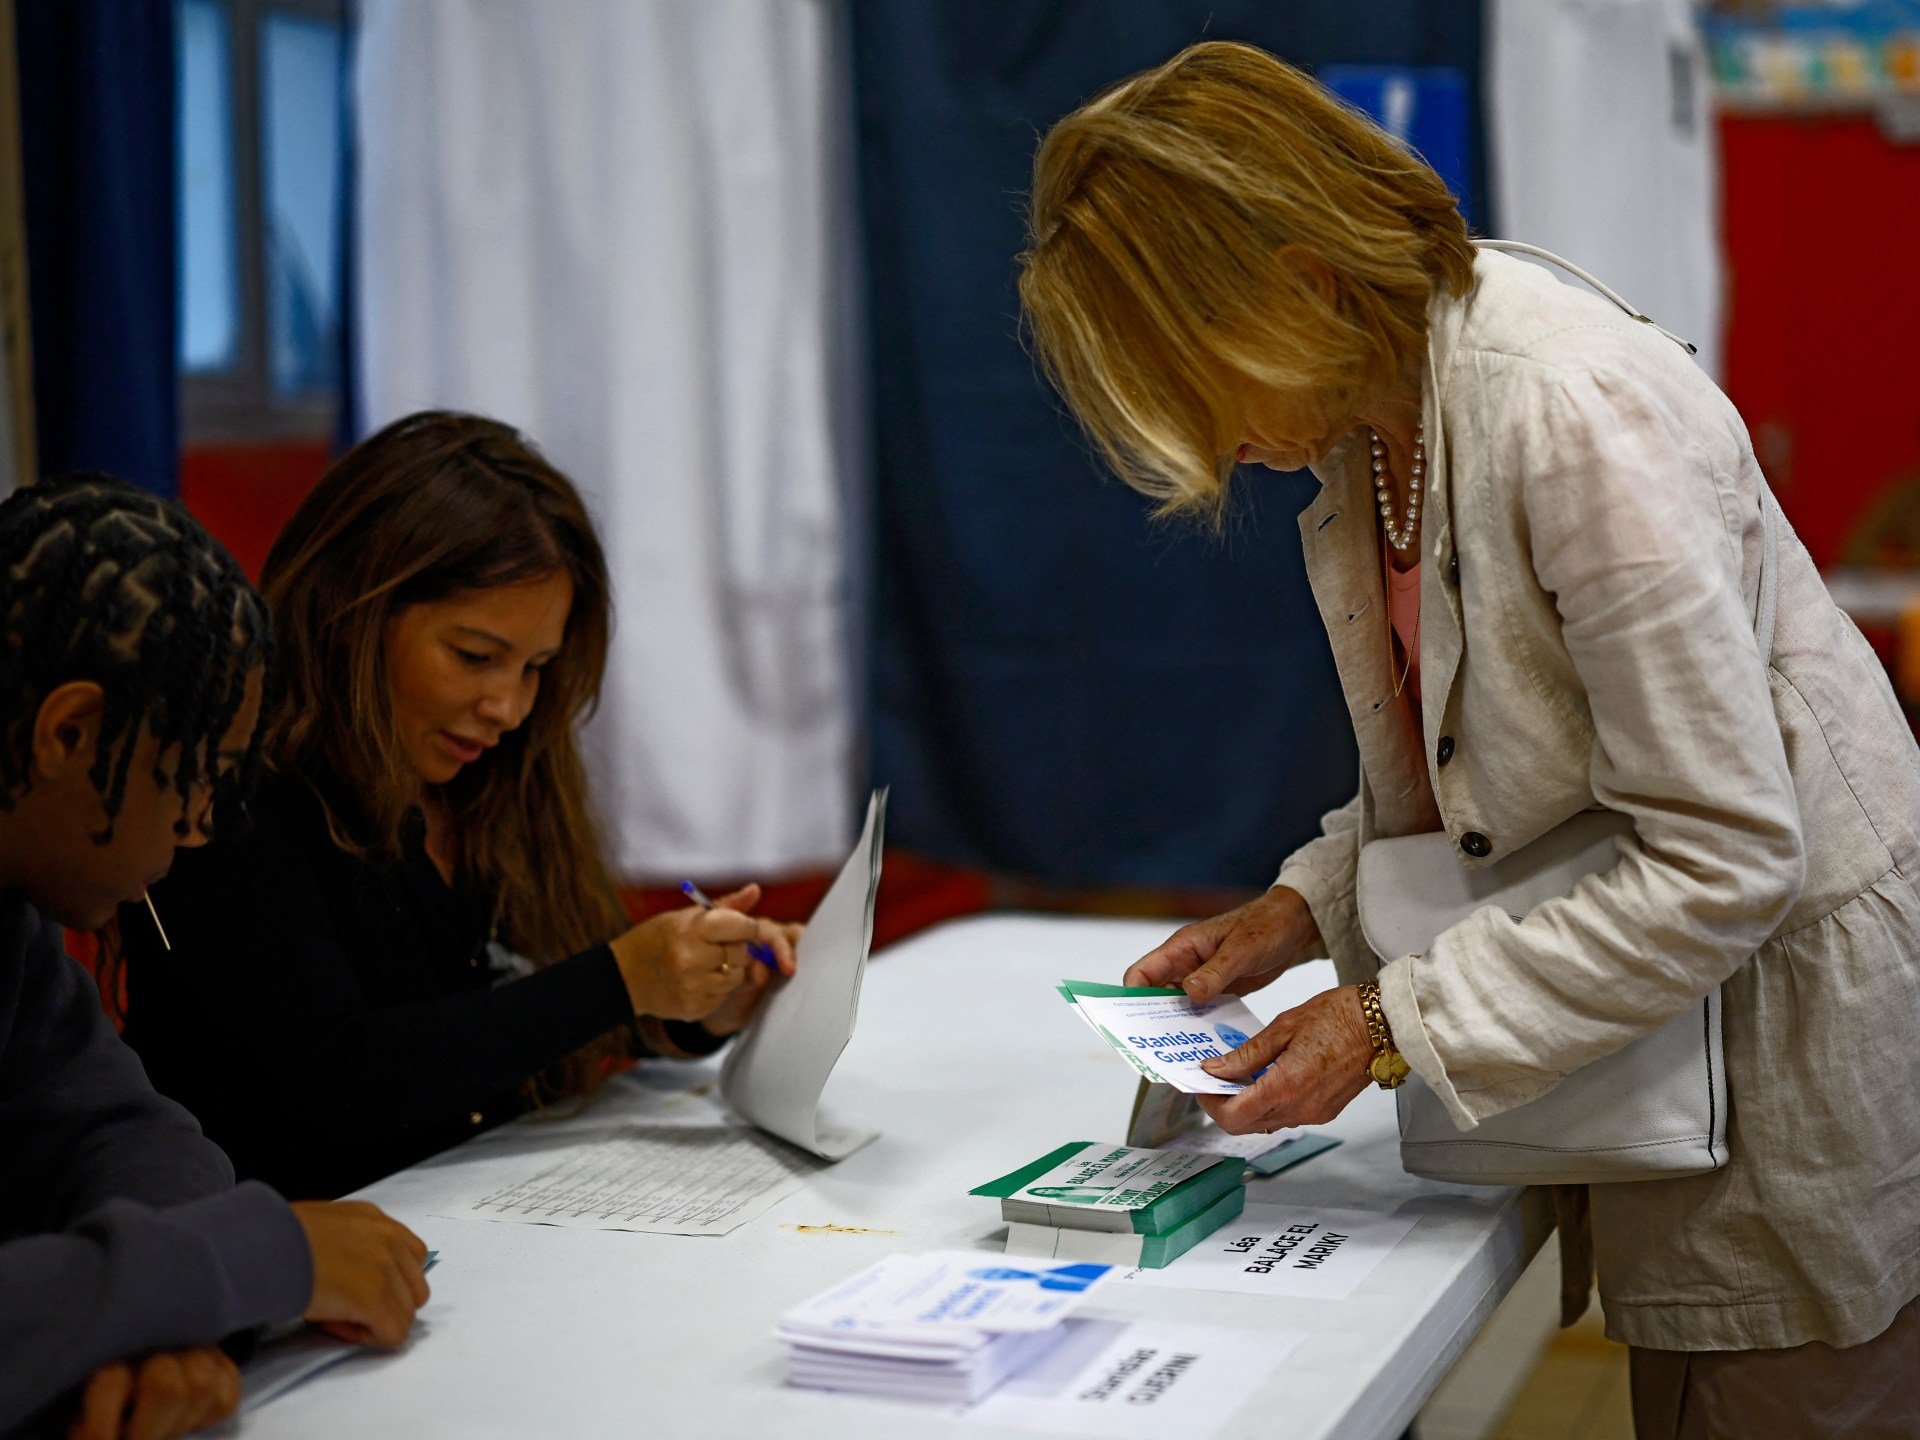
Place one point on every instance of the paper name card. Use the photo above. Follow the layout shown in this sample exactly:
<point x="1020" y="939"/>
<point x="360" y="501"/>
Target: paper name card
<point x="1308" y="1252"/>
<point x="1148" y="1380"/>
<point x="1162" y="1033"/>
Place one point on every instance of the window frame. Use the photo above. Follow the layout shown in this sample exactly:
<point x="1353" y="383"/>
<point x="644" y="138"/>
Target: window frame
<point x="240" y="402"/>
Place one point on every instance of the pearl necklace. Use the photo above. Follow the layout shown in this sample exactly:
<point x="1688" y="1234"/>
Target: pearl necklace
<point x="1406" y="535"/>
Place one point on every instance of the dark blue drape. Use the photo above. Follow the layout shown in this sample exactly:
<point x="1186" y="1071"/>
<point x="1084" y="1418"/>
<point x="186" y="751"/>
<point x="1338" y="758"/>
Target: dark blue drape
<point x="348" y="426"/>
<point x="97" y="128"/>
<point x="1062" y="689"/>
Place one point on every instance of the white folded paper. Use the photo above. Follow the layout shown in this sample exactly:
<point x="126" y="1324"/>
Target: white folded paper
<point x="776" y="1070"/>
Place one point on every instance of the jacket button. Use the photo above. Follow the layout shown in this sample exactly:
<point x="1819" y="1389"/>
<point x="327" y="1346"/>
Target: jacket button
<point x="1443" y="752"/>
<point x="475" y="1118"/>
<point x="1453" y="568"/>
<point x="1476" y="844"/>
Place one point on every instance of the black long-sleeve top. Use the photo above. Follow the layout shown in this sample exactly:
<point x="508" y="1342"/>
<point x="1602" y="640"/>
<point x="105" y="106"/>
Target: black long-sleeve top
<point x="332" y="1018"/>
<point x="121" y="1230"/>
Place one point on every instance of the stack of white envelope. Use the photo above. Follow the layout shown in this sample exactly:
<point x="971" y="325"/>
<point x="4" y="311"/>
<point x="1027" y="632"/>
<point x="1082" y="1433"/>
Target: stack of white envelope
<point x="946" y="1326"/>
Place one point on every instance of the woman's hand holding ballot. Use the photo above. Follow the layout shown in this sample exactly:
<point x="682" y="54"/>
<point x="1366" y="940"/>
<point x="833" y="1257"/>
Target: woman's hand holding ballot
<point x="1235" y="953"/>
<point x="692" y="963"/>
<point x="1314" y="1056"/>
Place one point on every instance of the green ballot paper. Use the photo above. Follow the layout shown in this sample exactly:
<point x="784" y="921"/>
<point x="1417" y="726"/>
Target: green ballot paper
<point x="1123" y="1189"/>
<point x="1058" y="1242"/>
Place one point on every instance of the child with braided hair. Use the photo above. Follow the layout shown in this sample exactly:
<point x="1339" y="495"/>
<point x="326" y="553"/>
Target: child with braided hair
<point x="133" y="657"/>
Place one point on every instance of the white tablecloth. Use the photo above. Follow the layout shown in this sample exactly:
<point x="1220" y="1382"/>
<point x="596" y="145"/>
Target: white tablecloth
<point x="969" y="1065"/>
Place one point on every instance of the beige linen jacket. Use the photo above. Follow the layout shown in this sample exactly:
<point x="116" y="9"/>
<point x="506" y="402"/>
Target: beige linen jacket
<point x="1590" y="554"/>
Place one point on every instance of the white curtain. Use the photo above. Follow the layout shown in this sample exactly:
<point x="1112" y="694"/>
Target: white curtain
<point x="1604" y="150"/>
<point x="617" y="225"/>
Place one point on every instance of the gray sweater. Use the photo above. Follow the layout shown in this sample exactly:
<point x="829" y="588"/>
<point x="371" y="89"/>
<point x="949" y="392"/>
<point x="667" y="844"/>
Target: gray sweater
<point x="121" y="1230"/>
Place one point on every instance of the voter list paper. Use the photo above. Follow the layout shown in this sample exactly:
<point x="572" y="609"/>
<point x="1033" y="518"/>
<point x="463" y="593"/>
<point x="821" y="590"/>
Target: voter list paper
<point x="1163" y="1034"/>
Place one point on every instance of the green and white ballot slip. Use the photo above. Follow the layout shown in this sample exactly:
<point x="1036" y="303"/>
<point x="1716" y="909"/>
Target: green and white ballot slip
<point x="1121" y="1189"/>
<point x="1163" y="1034"/>
<point x="1058" y="1242"/>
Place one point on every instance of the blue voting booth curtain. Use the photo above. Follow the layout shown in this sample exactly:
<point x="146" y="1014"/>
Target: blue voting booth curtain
<point x="96" y="134"/>
<point x="1061" y="688"/>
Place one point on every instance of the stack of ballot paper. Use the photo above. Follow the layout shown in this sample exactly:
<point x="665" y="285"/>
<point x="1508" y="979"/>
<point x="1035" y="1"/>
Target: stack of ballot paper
<point x="1117" y="1203"/>
<point x="946" y="1326"/>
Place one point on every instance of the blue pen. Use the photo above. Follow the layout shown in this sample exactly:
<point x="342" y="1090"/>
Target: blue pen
<point x="754" y="948"/>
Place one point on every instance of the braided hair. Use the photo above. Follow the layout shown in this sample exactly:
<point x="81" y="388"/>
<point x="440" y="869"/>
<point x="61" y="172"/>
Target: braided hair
<point x="102" y="581"/>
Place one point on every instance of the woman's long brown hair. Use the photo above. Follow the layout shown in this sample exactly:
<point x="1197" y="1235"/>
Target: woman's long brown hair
<point x="435" y="505"/>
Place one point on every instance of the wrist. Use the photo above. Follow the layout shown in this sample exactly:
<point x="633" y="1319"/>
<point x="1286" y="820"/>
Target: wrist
<point x="677" y="1039"/>
<point x="1302" y="930"/>
<point x="637" y="956"/>
<point x="1387" y="1067"/>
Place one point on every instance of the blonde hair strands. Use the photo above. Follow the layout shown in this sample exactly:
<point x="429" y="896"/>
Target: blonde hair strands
<point x="1161" y="274"/>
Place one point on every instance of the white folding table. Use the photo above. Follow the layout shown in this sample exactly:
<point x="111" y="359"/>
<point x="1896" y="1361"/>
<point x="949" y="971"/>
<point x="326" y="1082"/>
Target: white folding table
<point x="969" y="1065"/>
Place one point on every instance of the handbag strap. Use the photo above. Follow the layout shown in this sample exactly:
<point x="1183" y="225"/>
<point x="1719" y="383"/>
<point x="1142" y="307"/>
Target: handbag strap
<point x="1515" y="247"/>
<point x="1766" y="609"/>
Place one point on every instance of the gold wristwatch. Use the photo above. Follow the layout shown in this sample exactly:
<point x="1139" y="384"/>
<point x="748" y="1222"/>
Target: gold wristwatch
<point x="1389" y="1068"/>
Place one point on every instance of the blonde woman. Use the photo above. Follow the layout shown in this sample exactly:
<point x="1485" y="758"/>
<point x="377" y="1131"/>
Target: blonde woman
<point x="1548" y="609"/>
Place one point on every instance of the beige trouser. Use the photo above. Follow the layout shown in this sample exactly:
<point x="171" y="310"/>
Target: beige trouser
<point x="1810" y="1392"/>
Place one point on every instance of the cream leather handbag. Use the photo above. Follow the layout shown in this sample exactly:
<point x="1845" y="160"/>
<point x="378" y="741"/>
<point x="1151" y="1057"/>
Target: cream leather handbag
<point x="1656" y="1108"/>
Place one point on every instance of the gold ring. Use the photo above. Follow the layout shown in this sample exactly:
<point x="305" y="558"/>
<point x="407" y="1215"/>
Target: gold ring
<point x="726" y="967"/>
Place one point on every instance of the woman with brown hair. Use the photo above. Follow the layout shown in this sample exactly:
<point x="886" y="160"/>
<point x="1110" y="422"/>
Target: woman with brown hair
<point x="412" y="934"/>
<point x="1546" y="560"/>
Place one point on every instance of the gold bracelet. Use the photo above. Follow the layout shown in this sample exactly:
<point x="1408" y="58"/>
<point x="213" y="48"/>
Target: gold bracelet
<point x="1389" y="1068"/>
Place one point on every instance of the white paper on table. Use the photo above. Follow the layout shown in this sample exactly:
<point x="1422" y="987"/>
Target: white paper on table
<point x="291" y="1353"/>
<point x="777" y="1068"/>
<point x="1165" y="1037"/>
<point x="1148" y="1380"/>
<point x="282" y="1364"/>
<point x="667" y="1179"/>
<point x="1306" y="1251"/>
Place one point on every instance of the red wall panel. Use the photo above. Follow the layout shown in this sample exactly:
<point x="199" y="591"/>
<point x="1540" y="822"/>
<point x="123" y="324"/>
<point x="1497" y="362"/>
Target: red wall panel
<point x="1820" y="219"/>
<point x="243" y="494"/>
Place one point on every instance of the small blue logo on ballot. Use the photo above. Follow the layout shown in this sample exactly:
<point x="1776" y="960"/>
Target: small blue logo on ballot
<point x="1054" y="1277"/>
